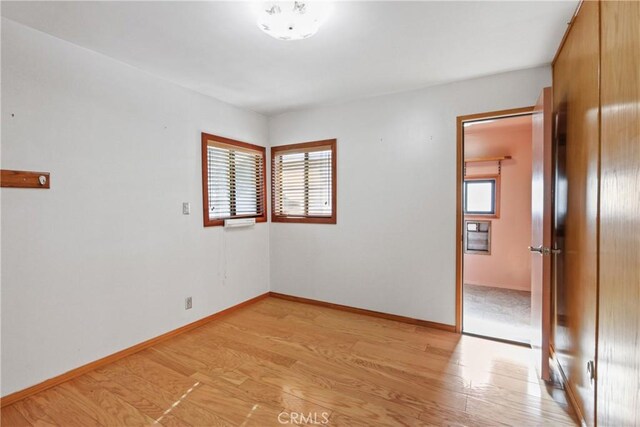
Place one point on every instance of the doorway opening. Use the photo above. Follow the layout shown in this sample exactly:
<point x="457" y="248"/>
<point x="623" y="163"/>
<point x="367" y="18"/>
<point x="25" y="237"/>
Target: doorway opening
<point x="494" y="220"/>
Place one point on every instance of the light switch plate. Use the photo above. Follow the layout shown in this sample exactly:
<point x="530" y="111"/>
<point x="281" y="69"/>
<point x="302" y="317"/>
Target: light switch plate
<point x="186" y="208"/>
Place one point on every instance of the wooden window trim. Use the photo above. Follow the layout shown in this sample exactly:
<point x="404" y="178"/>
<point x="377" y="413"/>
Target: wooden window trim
<point x="497" y="196"/>
<point x="331" y="143"/>
<point x="205" y="178"/>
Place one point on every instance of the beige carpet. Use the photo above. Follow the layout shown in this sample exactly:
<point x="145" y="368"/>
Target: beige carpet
<point x="496" y="312"/>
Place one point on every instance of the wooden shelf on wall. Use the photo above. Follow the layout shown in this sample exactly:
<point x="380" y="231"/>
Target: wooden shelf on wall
<point x="486" y="159"/>
<point x="497" y="159"/>
<point x="24" y="179"/>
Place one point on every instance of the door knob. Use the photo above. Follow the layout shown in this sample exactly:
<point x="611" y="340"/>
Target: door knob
<point x="543" y="250"/>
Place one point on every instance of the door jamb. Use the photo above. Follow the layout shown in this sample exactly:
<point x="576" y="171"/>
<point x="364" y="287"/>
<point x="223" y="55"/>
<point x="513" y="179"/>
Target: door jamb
<point x="461" y="120"/>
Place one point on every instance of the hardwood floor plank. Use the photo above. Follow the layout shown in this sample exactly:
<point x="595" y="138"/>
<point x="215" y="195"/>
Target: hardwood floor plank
<point x="326" y="392"/>
<point x="169" y="360"/>
<point x="218" y="400"/>
<point x="199" y="358"/>
<point x="340" y="420"/>
<point x="10" y="416"/>
<point x="414" y="396"/>
<point x="213" y="341"/>
<point x="311" y="352"/>
<point x="278" y="308"/>
<point x="291" y="328"/>
<point x="32" y="413"/>
<point x="489" y="392"/>
<point x="473" y="366"/>
<point x="234" y="408"/>
<point x="396" y="402"/>
<point x="108" y="409"/>
<point x="365" y="325"/>
<point x="59" y="407"/>
<point x="536" y="389"/>
<point x="157" y="374"/>
<point x="176" y="405"/>
<point x="509" y="413"/>
<point x="450" y="418"/>
<point x="333" y="359"/>
<point x="283" y="358"/>
<point x="137" y="400"/>
<point x="267" y="394"/>
<point x="524" y="398"/>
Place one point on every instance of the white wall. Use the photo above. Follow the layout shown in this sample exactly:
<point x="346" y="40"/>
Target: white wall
<point x="393" y="249"/>
<point x="104" y="259"/>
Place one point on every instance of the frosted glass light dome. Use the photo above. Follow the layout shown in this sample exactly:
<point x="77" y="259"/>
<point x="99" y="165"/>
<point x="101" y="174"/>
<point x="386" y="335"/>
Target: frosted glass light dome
<point x="292" y="20"/>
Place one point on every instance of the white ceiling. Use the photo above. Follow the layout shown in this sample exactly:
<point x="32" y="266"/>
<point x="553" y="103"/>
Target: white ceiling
<point x="364" y="49"/>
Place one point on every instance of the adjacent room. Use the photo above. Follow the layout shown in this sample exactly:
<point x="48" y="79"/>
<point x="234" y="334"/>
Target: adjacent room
<point x="497" y="227"/>
<point x="335" y="213"/>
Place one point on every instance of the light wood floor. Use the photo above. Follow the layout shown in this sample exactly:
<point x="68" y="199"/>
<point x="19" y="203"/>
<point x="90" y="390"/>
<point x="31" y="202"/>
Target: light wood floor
<point x="278" y="357"/>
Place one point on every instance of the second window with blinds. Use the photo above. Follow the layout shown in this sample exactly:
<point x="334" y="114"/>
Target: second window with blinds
<point x="303" y="180"/>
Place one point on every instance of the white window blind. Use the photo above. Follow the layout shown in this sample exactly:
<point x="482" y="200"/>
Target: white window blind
<point x="302" y="182"/>
<point x="235" y="181"/>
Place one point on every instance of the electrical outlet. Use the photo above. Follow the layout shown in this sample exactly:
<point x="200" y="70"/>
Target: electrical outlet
<point x="186" y="208"/>
<point x="188" y="303"/>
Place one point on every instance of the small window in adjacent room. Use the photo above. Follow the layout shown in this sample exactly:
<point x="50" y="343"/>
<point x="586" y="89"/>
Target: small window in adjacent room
<point x="233" y="183"/>
<point x="303" y="179"/>
<point x="481" y="196"/>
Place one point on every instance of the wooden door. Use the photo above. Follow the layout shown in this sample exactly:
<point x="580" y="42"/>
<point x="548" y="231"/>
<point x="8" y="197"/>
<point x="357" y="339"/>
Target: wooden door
<point x="575" y="269"/>
<point x="541" y="232"/>
<point x="619" y="315"/>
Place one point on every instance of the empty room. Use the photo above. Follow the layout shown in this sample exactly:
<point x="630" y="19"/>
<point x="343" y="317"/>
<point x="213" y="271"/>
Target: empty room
<point x="320" y="213"/>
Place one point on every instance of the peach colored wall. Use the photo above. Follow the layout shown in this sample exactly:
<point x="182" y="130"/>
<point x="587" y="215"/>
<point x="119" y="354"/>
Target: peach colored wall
<point x="509" y="265"/>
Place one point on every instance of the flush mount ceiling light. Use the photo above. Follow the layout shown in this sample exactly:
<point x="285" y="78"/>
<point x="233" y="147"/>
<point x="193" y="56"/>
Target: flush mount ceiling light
<point x="292" y="20"/>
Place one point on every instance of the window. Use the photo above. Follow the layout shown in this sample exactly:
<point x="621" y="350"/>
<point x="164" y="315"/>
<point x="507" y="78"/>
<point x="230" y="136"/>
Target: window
<point x="481" y="196"/>
<point x="303" y="179"/>
<point x="232" y="180"/>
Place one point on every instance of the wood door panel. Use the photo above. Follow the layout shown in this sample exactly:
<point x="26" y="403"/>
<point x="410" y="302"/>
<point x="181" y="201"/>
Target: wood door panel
<point x="541" y="231"/>
<point x="576" y="108"/>
<point x="619" y="318"/>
